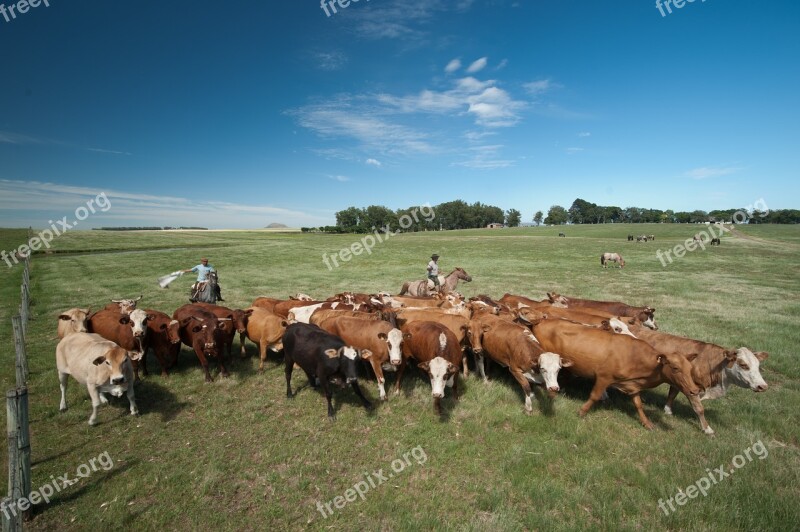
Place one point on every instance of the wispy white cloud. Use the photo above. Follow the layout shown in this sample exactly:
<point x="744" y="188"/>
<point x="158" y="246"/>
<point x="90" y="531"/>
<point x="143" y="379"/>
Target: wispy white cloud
<point x="330" y="60"/>
<point x="477" y="65"/>
<point x="339" y="178"/>
<point x="540" y="87"/>
<point x="707" y="172"/>
<point x="502" y="64"/>
<point x="112" y="152"/>
<point x="32" y="203"/>
<point x="584" y="134"/>
<point x="485" y="158"/>
<point x="374" y="162"/>
<point x="573" y="151"/>
<point x="9" y="137"/>
<point x="452" y="66"/>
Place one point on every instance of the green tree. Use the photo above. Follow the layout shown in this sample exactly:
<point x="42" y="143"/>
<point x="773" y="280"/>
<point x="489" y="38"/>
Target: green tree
<point x="513" y="217"/>
<point x="537" y="218"/>
<point x="557" y="215"/>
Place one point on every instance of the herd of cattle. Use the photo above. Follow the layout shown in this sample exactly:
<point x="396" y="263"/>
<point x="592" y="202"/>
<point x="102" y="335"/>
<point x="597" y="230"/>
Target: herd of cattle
<point x="614" y="344"/>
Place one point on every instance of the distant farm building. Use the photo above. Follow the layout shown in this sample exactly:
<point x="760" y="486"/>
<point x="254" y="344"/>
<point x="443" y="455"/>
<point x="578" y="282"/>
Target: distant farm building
<point x="495" y="226"/>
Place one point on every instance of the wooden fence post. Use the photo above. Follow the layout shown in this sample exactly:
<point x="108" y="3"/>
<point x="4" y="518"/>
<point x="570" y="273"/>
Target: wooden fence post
<point x="19" y="347"/>
<point x="23" y="308"/>
<point x="19" y="448"/>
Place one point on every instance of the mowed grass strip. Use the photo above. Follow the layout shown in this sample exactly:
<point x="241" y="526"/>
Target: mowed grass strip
<point x="237" y="454"/>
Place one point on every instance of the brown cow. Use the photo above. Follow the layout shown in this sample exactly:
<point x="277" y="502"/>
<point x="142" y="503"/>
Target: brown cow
<point x="457" y="324"/>
<point x="237" y="323"/>
<point x="515" y="302"/>
<point x="618" y="325"/>
<point x="163" y="337"/>
<point x="714" y="368"/>
<point x="323" y="314"/>
<point x="266" y="303"/>
<point x="71" y="321"/>
<point x="265" y="329"/>
<point x="282" y="308"/>
<point x="436" y="350"/>
<point x="617" y="360"/>
<point x="201" y="330"/>
<point x="644" y="314"/>
<point x="127" y="331"/>
<point x="514" y="347"/>
<point x="379" y="342"/>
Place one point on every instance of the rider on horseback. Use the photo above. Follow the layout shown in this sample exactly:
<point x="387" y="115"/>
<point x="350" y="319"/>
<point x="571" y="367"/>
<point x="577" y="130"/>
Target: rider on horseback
<point x="433" y="272"/>
<point x="203" y="269"/>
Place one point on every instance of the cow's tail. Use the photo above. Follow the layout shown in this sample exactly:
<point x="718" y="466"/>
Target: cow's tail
<point x="602" y="261"/>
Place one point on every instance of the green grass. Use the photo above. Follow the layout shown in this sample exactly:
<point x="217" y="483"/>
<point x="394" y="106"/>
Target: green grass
<point x="236" y="454"/>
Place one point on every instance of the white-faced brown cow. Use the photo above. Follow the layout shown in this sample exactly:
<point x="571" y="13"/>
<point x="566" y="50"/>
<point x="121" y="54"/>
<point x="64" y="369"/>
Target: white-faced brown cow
<point x="617" y="360"/>
<point x="379" y="342"/>
<point x="99" y="364"/>
<point x="437" y="352"/>
<point x="514" y="347"/>
<point x="715" y="367"/>
<point x="129" y="331"/>
<point x="72" y="321"/>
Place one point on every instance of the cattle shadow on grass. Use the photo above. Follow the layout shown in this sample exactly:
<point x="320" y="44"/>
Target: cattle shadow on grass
<point x="497" y="373"/>
<point x="416" y="380"/>
<point x="154" y="397"/>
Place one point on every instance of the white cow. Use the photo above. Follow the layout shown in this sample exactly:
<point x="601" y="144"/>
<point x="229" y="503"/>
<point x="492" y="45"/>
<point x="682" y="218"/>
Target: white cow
<point x="100" y="364"/>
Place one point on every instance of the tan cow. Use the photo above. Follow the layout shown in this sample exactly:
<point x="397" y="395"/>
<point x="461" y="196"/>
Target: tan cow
<point x="617" y="360"/>
<point x="72" y="321"/>
<point x="100" y="364"/>
<point x="265" y="329"/>
<point x="379" y="342"/>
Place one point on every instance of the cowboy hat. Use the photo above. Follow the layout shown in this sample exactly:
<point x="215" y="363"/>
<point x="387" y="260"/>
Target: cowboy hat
<point x="434" y="256"/>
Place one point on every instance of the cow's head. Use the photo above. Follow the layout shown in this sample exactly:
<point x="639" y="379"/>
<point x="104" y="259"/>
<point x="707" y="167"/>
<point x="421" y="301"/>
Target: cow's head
<point x="744" y="368"/>
<point x="618" y="326"/>
<point x="679" y="372"/>
<point x="441" y="372"/>
<point x="204" y="331"/>
<point x="110" y="368"/>
<point x="648" y="318"/>
<point x="348" y="362"/>
<point x="138" y="322"/>
<point x="126" y="306"/>
<point x="173" y="331"/>
<point x="240" y="318"/>
<point x="548" y="366"/>
<point x="394" y="340"/>
<point x="475" y="333"/>
<point x="529" y="316"/>
<point x="72" y="320"/>
<point x="557" y="300"/>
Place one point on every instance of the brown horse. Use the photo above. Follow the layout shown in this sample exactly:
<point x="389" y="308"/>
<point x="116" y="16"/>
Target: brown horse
<point x="426" y="287"/>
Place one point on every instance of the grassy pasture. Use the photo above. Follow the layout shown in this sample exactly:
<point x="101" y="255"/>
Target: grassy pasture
<point x="237" y="454"/>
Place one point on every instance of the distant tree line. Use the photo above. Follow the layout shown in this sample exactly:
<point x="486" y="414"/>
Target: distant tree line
<point x="584" y="212"/>
<point x="456" y="214"/>
<point x="155" y="228"/>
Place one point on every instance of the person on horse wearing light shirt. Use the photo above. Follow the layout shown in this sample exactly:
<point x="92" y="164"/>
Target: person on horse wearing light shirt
<point x="433" y="272"/>
<point x="203" y="269"/>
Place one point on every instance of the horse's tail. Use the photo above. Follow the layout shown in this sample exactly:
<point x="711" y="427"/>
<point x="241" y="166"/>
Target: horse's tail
<point x="603" y="259"/>
<point x="404" y="290"/>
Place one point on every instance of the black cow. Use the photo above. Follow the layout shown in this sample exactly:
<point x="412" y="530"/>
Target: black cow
<point x="715" y="241"/>
<point x="562" y="234"/>
<point x="324" y="357"/>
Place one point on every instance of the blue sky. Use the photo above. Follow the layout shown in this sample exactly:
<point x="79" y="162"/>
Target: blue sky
<point x="237" y="114"/>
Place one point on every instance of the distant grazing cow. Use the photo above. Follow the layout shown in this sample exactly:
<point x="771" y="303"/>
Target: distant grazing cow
<point x="651" y="237"/>
<point x="607" y="257"/>
<point x="201" y="330"/>
<point x="630" y="238"/>
<point x="322" y="356"/>
<point x="562" y="234"/>
<point x="514" y="347"/>
<point x="72" y="321"/>
<point x="100" y="364"/>
<point x="266" y="330"/>
<point x="715" y="241"/>
<point x="129" y="331"/>
<point x="437" y="352"/>
<point x="378" y="341"/>
<point x="617" y="360"/>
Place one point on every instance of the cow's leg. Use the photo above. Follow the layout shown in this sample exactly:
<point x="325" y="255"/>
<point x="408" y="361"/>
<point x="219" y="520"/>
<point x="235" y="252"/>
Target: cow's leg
<point x="637" y="402"/>
<point x="95" y="396"/>
<point x="673" y="393"/>
<point x="357" y="389"/>
<point x="465" y="367"/>
<point x="132" y="401"/>
<point x="479" y="365"/>
<point x="262" y="353"/>
<point x="62" y="381"/>
<point x="289" y="366"/>
<point x="595" y="395"/>
<point x="378" y="370"/>
<point x="328" y="396"/>
<point x="700" y="411"/>
<point x="400" y="370"/>
<point x="243" y="352"/>
<point x="437" y="405"/>
<point x="221" y="363"/>
<point x="404" y="289"/>
<point x="526" y="388"/>
<point x="204" y="363"/>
